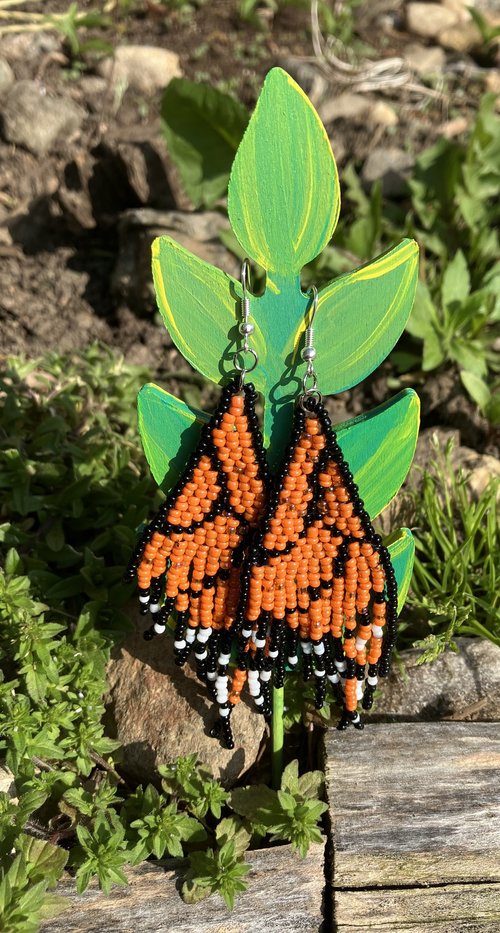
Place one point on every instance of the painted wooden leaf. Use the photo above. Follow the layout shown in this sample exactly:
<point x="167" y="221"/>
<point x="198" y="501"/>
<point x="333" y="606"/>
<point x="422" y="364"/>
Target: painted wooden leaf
<point x="284" y="195"/>
<point x="361" y="315"/>
<point x="169" y="432"/>
<point x="199" y="306"/>
<point x="402" y="550"/>
<point x="379" y="448"/>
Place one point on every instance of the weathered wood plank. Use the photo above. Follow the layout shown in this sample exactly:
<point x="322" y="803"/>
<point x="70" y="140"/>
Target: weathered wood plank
<point x="474" y="908"/>
<point x="284" y="893"/>
<point x="414" y="803"/>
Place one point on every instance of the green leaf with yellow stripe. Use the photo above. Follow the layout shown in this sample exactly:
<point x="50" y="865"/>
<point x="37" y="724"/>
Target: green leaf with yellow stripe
<point x="284" y="195"/>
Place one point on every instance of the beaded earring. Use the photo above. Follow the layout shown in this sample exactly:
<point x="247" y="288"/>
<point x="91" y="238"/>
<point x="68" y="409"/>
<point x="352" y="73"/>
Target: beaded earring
<point x="318" y="582"/>
<point x="187" y="560"/>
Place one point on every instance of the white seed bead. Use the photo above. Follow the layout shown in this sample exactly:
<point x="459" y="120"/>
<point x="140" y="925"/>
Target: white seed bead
<point x="254" y="689"/>
<point x="222" y="697"/>
<point x="319" y="673"/>
<point x="292" y="660"/>
<point x="340" y="665"/>
<point x="154" y="607"/>
<point x="259" y="701"/>
<point x="319" y="649"/>
<point x="253" y="676"/>
<point x="333" y="678"/>
<point x="211" y="675"/>
<point x="190" y="635"/>
<point x="224" y="712"/>
<point x="201" y="655"/>
<point x="372" y="681"/>
<point x="144" y="599"/>
<point x="159" y="629"/>
<point x="179" y="645"/>
<point x="273" y="654"/>
<point x="224" y="659"/>
<point x="265" y="676"/>
<point x="204" y="634"/>
<point x="306" y="647"/>
<point x="356" y="718"/>
<point x="221" y="681"/>
<point x="360" y="644"/>
<point x="359" y="690"/>
<point x="260" y="642"/>
<point x="377" y="631"/>
<point x="246" y="632"/>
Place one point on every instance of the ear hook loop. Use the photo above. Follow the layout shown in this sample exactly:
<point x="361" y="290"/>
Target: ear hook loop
<point x="308" y="354"/>
<point x="245" y="328"/>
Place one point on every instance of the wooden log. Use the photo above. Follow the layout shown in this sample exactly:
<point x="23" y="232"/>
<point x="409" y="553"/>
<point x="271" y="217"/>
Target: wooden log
<point x="285" y="893"/>
<point x="474" y="908"/>
<point x="414" y="804"/>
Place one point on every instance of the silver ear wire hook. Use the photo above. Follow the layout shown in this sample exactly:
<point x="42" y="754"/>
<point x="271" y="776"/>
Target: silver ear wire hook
<point x="246" y="328"/>
<point x="308" y="354"/>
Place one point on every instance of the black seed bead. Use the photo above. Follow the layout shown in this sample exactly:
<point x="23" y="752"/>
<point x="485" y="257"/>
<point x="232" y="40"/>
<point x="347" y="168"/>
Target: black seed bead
<point x="360" y="671"/>
<point x="367" y="701"/>
<point x="320" y="693"/>
<point x="149" y="634"/>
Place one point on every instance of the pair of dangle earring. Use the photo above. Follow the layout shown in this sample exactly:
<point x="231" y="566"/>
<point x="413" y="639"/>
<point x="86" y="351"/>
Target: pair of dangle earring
<point x="294" y="577"/>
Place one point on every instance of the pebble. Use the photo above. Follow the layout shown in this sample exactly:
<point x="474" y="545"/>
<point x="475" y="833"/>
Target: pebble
<point x="428" y="19"/>
<point x="6" y="76"/>
<point x="146" y="69"/>
<point x="37" y="121"/>
<point x="383" y="114"/>
<point x="425" y="60"/>
<point x="392" y="166"/>
<point x="347" y="106"/>
<point x="460" y="38"/>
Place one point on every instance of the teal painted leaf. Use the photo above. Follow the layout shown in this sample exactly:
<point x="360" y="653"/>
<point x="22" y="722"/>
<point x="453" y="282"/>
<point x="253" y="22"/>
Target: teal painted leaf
<point x="402" y="550"/>
<point x="203" y="128"/>
<point x="379" y="448"/>
<point x="361" y="315"/>
<point x="169" y="432"/>
<point x="284" y="195"/>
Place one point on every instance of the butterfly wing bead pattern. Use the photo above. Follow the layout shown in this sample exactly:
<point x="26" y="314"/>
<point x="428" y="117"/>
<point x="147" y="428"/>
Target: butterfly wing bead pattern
<point x="318" y="582"/>
<point x="188" y="558"/>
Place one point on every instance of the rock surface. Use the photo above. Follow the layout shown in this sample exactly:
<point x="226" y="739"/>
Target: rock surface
<point x="425" y="60"/>
<point x="346" y="106"/>
<point x="159" y="711"/>
<point x="460" y="38"/>
<point x="144" y="68"/>
<point x="392" y="166"/>
<point x="463" y="685"/>
<point x="199" y="233"/>
<point x="36" y="121"/>
<point x="429" y="19"/>
<point x="6" y="76"/>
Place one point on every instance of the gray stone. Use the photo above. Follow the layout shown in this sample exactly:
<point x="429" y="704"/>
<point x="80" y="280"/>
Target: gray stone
<point x="428" y="19"/>
<point x="346" y="106"/>
<point x="144" y="68"/>
<point x="6" y="76"/>
<point x="463" y="685"/>
<point x="392" y="166"/>
<point x="425" y="60"/>
<point x="36" y="121"/>
<point x="382" y="114"/>
<point x="160" y="711"/>
<point x="199" y="233"/>
<point x="461" y="38"/>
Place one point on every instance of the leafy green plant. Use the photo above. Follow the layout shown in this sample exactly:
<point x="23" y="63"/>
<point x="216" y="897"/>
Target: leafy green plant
<point x="157" y="827"/>
<point x="455" y="586"/>
<point x="291" y="813"/>
<point x="25" y="896"/>
<point x="203" y="128"/>
<point x="460" y="329"/>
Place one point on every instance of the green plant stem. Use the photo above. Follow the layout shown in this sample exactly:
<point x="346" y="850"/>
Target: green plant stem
<point x="277" y="734"/>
